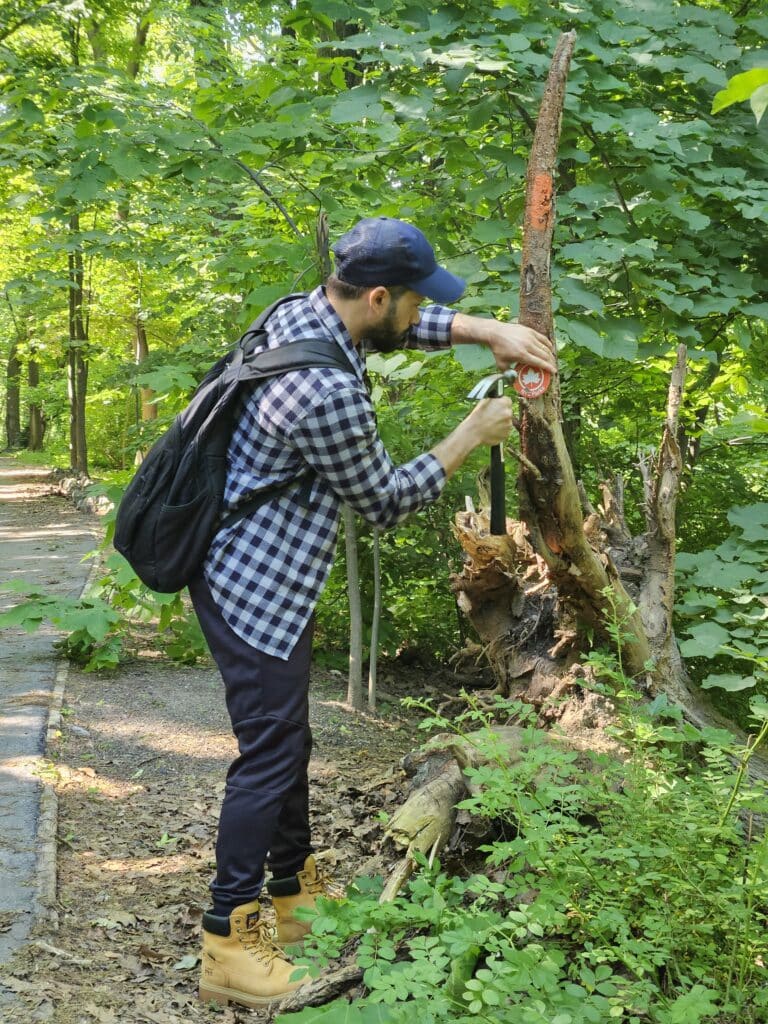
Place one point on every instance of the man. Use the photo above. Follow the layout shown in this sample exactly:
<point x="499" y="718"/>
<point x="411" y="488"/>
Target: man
<point x="264" y="574"/>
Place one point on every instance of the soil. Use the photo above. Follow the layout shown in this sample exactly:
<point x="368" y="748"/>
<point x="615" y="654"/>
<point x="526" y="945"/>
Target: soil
<point x="139" y="770"/>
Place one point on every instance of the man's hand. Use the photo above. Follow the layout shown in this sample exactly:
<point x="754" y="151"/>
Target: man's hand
<point x="490" y="422"/>
<point x="510" y="343"/>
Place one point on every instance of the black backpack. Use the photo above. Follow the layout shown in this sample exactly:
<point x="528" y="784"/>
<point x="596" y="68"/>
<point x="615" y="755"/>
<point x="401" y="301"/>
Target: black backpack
<point x="171" y="509"/>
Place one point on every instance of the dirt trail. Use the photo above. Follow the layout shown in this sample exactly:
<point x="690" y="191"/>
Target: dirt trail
<point x="139" y="772"/>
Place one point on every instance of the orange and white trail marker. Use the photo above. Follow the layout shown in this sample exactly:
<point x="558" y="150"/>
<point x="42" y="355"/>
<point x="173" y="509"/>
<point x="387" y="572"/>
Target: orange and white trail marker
<point x="531" y="382"/>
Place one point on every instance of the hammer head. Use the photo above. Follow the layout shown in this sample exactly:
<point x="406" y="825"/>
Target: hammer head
<point x="491" y="385"/>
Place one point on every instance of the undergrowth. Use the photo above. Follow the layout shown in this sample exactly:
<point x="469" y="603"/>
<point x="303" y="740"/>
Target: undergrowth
<point x="628" y="888"/>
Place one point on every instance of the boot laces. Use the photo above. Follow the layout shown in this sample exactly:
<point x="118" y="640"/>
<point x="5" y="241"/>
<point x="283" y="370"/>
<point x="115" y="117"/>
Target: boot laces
<point x="257" y="940"/>
<point x="323" y="885"/>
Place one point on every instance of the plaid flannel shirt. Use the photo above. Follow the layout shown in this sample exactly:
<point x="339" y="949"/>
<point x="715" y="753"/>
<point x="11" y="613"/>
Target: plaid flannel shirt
<point x="266" y="572"/>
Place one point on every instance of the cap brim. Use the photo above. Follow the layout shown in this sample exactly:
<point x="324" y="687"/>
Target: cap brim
<point x="440" y="286"/>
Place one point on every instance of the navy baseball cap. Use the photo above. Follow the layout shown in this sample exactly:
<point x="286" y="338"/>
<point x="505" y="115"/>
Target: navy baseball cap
<point x="385" y="251"/>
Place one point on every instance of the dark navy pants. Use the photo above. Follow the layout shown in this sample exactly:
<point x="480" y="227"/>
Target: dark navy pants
<point x="265" y="813"/>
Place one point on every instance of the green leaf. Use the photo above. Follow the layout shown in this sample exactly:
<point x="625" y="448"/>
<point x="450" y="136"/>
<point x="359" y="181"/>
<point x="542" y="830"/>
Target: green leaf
<point x="128" y="167"/>
<point x="618" y="342"/>
<point x="740" y="88"/>
<point x="574" y="293"/>
<point x="514" y="42"/>
<point x="27" y="615"/>
<point x="356" y="105"/>
<point x="759" y="101"/>
<point x="705" y="641"/>
<point x="582" y="334"/>
<point x="30" y="112"/>
<point x="752" y="520"/>
<point x="491" y="231"/>
<point x="473" y="357"/>
<point x="339" y="1012"/>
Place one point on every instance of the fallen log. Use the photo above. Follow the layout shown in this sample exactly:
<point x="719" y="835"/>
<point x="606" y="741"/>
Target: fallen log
<point x="321" y="990"/>
<point x="425" y="822"/>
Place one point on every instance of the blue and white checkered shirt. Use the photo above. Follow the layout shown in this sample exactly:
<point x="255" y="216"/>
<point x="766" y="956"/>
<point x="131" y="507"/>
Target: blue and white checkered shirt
<point x="266" y="572"/>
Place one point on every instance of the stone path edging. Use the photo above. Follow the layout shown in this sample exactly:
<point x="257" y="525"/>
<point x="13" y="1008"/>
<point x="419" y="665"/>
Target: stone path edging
<point x="48" y="820"/>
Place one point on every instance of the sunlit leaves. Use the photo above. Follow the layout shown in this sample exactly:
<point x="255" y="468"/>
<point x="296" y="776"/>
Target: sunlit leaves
<point x="749" y="85"/>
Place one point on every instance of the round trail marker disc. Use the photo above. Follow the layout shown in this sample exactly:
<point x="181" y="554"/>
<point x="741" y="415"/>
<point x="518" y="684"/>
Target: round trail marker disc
<point x="531" y="381"/>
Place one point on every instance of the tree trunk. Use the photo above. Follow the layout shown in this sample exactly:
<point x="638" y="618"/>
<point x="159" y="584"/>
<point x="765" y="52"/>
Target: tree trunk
<point x="373" y="653"/>
<point x="549" y="500"/>
<point x="77" y="364"/>
<point x="141" y="352"/>
<point x="662" y="484"/>
<point x="552" y="564"/>
<point x="355" y="679"/>
<point x="533" y="592"/>
<point x="209" y="41"/>
<point x="355" y="676"/>
<point x="37" y="421"/>
<point x="13" y="398"/>
<point x="13" y="433"/>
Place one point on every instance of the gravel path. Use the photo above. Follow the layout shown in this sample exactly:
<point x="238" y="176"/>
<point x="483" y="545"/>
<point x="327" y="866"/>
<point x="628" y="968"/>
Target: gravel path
<point x="42" y="542"/>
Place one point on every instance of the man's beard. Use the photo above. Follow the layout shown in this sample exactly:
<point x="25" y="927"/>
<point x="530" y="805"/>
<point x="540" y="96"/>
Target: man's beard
<point x="384" y="337"/>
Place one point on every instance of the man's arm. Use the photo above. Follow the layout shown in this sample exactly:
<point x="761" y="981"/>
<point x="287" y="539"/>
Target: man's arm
<point x="338" y="439"/>
<point x="441" y="327"/>
<point x="510" y="343"/>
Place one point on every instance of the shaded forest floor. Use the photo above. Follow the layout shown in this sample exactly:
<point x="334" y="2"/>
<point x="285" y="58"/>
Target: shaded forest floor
<point x="139" y="771"/>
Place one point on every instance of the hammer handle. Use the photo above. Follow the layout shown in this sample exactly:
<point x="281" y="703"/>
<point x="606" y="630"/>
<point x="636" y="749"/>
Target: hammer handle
<point x="498" y="497"/>
<point x="498" y="501"/>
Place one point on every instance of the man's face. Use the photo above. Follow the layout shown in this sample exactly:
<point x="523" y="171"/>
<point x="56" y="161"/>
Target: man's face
<point x="392" y="330"/>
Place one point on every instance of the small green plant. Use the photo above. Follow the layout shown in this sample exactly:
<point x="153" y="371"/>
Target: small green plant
<point x="87" y="621"/>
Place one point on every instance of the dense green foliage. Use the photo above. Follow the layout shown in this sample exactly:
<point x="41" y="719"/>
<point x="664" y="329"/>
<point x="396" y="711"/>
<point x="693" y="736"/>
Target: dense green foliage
<point x="177" y="159"/>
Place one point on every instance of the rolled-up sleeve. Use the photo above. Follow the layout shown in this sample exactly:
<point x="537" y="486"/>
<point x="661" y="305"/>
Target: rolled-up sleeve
<point x="338" y="439"/>
<point x="433" y="331"/>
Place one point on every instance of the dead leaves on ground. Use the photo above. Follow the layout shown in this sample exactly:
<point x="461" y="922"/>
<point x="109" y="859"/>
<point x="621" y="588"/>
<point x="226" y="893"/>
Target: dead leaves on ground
<point x="136" y="844"/>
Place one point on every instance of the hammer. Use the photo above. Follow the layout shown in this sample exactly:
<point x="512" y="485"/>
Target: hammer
<point x="493" y="387"/>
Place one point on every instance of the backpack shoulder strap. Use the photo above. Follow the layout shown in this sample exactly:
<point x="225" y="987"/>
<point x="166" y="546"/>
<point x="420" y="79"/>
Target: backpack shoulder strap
<point x="295" y="355"/>
<point x="247" y="341"/>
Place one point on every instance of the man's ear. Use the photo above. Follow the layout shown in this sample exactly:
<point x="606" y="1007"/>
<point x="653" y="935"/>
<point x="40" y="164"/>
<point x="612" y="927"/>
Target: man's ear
<point x="378" y="299"/>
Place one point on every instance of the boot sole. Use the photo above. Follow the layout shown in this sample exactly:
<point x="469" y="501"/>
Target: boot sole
<point x="224" y="996"/>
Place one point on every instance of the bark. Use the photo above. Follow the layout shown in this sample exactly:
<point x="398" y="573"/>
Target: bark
<point x="549" y="500"/>
<point x="322" y="990"/>
<point x="147" y="405"/>
<point x="148" y="409"/>
<point x="77" y="363"/>
<point x="13" y="433"/>
<point x="13" y="398"/>
<point x="355" y="678"/>
<point x="662" y="485"/>
<point x="568" y="569"/>
<point x="37" y="419"/>
<point x="425" y="822"/>
<point x="209" y="41"/>
<point x="373" y="654"/>
<point x="138" y="46"/>
<point x="141" y="352"/>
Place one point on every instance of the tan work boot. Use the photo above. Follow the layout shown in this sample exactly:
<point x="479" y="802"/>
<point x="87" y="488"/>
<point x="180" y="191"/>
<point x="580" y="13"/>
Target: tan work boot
<point x="300" y="890"/>
<point x="241" y="963"/>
